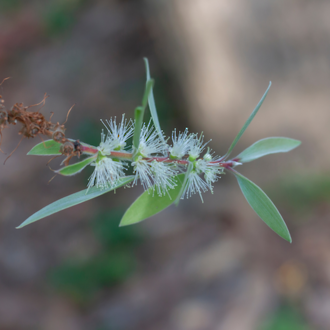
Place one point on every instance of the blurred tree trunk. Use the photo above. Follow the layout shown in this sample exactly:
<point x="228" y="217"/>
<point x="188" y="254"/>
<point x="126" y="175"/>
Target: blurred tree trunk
<point x="225" y="53"/>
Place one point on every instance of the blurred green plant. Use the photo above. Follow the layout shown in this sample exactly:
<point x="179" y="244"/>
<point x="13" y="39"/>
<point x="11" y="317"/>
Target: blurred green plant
<point x="106" y="230"/>
<point x="82" y="280"/>
<point x="287" y="317"/>
<point x="114" y="262"/>
<point x="60" y="16"/>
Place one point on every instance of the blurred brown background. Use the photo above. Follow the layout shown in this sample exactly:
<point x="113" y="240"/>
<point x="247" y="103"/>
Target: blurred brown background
<point x="199" y="266"/>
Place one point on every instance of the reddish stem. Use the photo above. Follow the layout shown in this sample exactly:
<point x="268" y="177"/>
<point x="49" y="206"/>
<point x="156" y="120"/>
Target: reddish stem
<point x="89" y="150"/>
<point x="127" y="155"/>
<point x="168" y="160"/>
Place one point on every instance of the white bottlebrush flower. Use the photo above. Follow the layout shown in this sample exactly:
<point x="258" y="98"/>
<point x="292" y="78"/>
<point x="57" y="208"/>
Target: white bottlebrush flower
<point x="197" y="146"/>
<point x="150" y="142"/>
<point x="106" y="173"/>
<point x="117" y="134"/>
<point x="156" y="175"/>
<point x="181" y="144"/>
<point x="212" y="174"/>
<point x="211" y="170"/>
<point x="143" y="172"/>
<point x="104" y="148"/>
<point x="195" y="184"/>
<point x="163" y="175"/>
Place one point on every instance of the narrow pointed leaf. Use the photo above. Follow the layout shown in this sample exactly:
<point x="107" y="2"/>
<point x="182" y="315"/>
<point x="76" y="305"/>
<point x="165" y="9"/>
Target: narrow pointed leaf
<point x="51" y="148"/>
<point x="139" y="114"/>
<point x="152" y="104"/>
<point x="46" y="148"/>
<point x="184" y="183"/>
<point x="76" y="168"/>
<point x="74" y="199"/>
<point x="147" y="92"/>
<point x="147" y="204"/>
<point x="267" y="146"/>
<point x="247" y="123"/>
<point x="263" y="206"/>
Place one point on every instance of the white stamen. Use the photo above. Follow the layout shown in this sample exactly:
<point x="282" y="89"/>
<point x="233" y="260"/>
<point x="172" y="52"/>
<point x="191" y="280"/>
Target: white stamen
<point x="106" y="173"/>
<point x="181" y="143"/>
<point x="163" y="177"/>
<point x="143" y="172"/>
<point x="197" y="146"/>
<point x="195" y="184"/>
<point x="150" y="142"/>
<point x="117" y="135"/>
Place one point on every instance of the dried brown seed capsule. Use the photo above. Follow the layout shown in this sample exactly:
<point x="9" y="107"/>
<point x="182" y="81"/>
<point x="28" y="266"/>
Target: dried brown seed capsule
<point x="58" y="135"/>
<point x="67" y="148"/>
<point x="34" y="130"/>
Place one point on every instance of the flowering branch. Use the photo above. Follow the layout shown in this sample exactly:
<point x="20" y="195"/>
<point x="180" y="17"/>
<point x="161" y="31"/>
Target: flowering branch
<point x="168" y="171"/>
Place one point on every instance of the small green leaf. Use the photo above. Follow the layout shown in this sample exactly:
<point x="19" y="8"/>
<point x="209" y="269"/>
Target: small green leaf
<point x="152" y="105"/>
<point x="74" y="199"/>
<point x="149" y="204"/>
<point x="183" y="186"/>
<point x="247" y="123"/>
<point x="139" y="114"/>
<point x="51" y="148"/>
<point x="77" y="167"/>
<point x="271" y="145"/>
<point x="46" y="148"/>
<point x="263" y="206"/>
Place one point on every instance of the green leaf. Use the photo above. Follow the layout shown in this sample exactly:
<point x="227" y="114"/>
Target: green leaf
<point x="74" y="199"/>
<point x="183" y="186"/>
<point x="147" y="92"/>
<point x="263" y="206"/>
<point x="247" y="123"/>
<point x="149" y="204"/>
<point x="152" y="105"/>
<point x="271" y="145"/>
<point x="46" y="148"/>
<point x="51" y="148"/>
<point x="77" y="167"/>
<point x="139" y="114"/>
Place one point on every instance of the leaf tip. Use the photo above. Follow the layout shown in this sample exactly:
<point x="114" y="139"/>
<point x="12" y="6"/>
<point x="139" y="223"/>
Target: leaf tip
<point x="123" y="223"/>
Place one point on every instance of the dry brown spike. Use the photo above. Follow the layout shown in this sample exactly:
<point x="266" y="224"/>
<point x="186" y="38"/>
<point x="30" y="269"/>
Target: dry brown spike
<point x="34" y="124"/>
<point x="67" y="115"/>
<point x="43" y="102"/>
